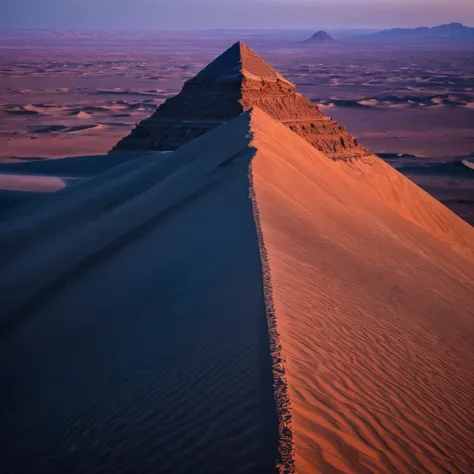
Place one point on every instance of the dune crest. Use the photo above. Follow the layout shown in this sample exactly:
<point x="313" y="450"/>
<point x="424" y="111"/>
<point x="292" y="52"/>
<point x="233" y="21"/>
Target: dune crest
<point x="236" y="81"/>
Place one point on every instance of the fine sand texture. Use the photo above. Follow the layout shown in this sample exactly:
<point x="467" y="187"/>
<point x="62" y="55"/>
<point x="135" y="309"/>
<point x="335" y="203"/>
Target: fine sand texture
<point x="410" y="201"/>
<point x="374" y="313"/>
<point x="134" y="336"/>
<point x="241" y="304"/>
<point x="451" y="182"/>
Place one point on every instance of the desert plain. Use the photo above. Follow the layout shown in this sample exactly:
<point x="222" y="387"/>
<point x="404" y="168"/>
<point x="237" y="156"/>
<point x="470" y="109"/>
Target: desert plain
<point x="77" y="93"/>
<point x="249" y="302"/>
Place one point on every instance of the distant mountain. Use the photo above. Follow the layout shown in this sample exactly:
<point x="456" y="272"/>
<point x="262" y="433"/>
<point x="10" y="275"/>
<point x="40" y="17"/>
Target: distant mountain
<point x="449" y="32"/>
<point x="320" y="37"/>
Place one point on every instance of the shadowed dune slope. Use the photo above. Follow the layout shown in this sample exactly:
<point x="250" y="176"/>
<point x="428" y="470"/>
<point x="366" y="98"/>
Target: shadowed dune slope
<point x="79" y="166"/>
<point x="375" y="315"/>
<point x="134" y="336"/>
<point x="28" y="180"/>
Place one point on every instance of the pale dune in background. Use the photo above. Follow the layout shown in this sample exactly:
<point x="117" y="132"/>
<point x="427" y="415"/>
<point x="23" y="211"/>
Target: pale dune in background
<point x="31" y="183"/>
<point x="469" y="164"/>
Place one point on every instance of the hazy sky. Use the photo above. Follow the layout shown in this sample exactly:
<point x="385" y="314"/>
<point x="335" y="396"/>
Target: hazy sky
<point x="203" y="14"/>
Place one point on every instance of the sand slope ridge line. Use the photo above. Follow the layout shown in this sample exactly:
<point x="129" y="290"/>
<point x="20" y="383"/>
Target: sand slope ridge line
<point x="285" y="463"/>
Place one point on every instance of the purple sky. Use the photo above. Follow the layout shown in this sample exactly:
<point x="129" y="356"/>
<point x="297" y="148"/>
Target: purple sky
<point x="203" y="14"/>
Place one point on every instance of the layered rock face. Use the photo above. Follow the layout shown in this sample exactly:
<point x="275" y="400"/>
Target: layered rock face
<point x="236" y="81"/>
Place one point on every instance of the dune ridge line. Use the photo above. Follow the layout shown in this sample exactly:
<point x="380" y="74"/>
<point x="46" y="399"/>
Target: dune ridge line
<point x="285" y="462"/>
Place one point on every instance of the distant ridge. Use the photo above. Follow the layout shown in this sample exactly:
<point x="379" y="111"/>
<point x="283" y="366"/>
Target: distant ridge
<point x="236" y="81"/>
<point x="320" y="37"/>
<point x="448" y="32"/>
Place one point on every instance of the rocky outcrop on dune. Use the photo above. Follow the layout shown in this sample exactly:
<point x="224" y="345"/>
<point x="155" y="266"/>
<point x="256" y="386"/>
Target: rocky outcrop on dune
<point x="236" y="81"/>
<point x="320" y="37"/>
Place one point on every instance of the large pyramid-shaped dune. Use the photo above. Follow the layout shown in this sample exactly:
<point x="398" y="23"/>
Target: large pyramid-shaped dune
<point x="241" y="304"/>
<point x="236" y="81"/>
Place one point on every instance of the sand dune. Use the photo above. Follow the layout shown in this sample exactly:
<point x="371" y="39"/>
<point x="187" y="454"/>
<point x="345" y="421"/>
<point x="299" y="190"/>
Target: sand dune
<point x="469" y="163"/>
<point x="49" y="128"/>
<point x="374" y="314"/>
<point x="450" y="182"/>
<point x="411" y="202"/>
<point x="19" y="182"/>
<point x="96" y="127"/>
<point x="20" y="110"/>
<point x="79" y="166"/>
<point x="454" y="169"/>
<point x="9" y="198"/>
<point x="118" y="91"/>
<point x="77" y="110"/>
<point x="83" y="115"/>
<point x="369" y="320"/>
<point x="369" y="102"/>
<point x="404" y="101"/>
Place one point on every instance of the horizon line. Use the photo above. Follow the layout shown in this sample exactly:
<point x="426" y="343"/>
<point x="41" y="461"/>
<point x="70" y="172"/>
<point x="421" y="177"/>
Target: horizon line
<point x="185" y="30"/>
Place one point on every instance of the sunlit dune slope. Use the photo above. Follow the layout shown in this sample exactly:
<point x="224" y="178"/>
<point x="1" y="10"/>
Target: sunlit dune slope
<point x="375" y="315"/>
<point x="410" y="201"/>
